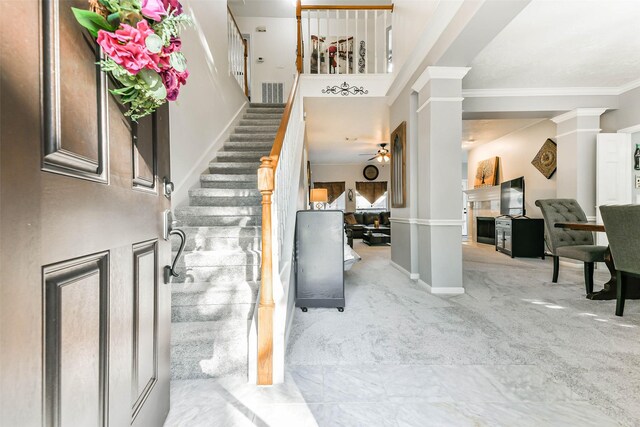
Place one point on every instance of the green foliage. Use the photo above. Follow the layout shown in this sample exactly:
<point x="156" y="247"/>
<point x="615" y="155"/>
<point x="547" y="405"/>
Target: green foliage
<point x="134" y="91"/>
<point x="171" y="26"/>
<point x="92" y="21"/>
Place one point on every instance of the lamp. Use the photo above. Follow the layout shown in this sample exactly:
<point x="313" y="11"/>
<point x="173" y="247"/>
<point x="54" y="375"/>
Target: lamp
<point x="318" y="196"/>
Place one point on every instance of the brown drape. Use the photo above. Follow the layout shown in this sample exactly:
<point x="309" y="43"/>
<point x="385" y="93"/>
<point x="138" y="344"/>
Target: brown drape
<point x="334" y="189"/>
<point x="371" y="191"/>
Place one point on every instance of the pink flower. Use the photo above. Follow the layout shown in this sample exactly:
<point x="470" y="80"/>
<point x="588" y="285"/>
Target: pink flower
<point x="153" y="9"/>
<point x="172" y="81"/>
<point x="127" y="47"/>
<point x="174" y="5"/>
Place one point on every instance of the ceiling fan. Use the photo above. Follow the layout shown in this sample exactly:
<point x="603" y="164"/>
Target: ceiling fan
<point x="383" y="155"/>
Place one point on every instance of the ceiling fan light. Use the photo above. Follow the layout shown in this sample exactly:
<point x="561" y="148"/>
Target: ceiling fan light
<point x="379" y="158"/>
<point x="386" y="158"/>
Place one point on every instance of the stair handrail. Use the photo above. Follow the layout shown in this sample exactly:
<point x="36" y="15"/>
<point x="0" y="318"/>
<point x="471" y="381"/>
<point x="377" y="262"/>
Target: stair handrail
<point x="237" y="34"/>
<point x="267" y="180"/>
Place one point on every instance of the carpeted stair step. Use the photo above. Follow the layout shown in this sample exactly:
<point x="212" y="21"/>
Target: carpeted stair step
<point x="209" y="349"/>
<point x="251" y="129"/>
<point x="224" y="197"/>
<point x="265" y="110"/>
<point x="220" y="239"/>
<point x="206" y="293"/>
<point x="248" y="146"/>
<point x="262" y="116"/>
<point x="234" y="167"/>
<point x="191" y="260"/>
<point x="252" y="137"/>
<point x="229" y="181"/>
<point x="260" y="122"/>
<point x="208" y="216"/>
<point x="218" y="275"/>
<point x="266" y="105"/>
<point x="241" y="156"/>
<point x="203" y="312"/>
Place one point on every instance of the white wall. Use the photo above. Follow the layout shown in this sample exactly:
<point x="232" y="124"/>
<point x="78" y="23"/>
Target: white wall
<point x="277" y="46"/>
<point x="208" y="103"/>
<point x="410" y="18"/>
<point x="516" y="151"/>
<point x="350" y="174"/>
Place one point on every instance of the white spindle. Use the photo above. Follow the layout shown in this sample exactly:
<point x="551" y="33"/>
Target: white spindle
<point x="308" y="51"/>
<point x="328" y="42"/>
<point x="385" y="64"/>
<point x="375" y="41"/>
<point x="337" y="54"/>
<point x="356" y="47"/>
<point x="347" y="37"/>
<point x="366" y="43"/>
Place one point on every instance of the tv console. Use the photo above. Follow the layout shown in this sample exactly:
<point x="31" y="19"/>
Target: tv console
<point x="520" y="236"/>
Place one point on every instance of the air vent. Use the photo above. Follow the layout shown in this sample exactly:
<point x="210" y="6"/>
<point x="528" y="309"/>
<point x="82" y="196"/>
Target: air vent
<point x="272" y="93"/>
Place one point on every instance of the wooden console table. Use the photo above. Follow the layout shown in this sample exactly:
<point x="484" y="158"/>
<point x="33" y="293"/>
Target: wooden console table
<point x="608" y="291"/>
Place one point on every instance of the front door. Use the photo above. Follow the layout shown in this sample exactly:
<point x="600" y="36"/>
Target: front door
<point x="85" y="313"/>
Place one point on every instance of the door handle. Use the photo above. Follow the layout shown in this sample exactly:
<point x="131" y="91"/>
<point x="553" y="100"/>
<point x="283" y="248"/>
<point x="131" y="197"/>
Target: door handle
<point x="170" y="270"/>
<point x="168" y="187"/>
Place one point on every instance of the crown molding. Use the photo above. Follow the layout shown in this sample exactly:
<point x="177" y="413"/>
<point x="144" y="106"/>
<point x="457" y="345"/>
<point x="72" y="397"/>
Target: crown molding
<point x="439" y="73"/>
<point x="550" y="91"/>
<point x="578" y="112"/>
<point x="629" y="86"/>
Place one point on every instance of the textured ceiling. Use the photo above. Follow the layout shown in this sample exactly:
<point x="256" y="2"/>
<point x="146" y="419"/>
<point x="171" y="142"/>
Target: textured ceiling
<point x="330" y="120"/>
<point x="478" y="132"/>
<point x="587" y="43"/>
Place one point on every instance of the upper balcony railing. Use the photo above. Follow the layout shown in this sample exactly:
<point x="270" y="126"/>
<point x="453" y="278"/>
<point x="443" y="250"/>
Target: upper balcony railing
<point x="344" y="39"/>
<point x="237" y="53"/>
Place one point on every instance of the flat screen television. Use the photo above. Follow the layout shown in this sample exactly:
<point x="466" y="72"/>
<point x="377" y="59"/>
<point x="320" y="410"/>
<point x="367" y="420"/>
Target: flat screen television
<point x="512" y="197"/>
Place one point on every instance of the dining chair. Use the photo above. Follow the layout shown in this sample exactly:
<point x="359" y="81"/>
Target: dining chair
<point x="623" y="231"/>
<point x="573" y="244"/>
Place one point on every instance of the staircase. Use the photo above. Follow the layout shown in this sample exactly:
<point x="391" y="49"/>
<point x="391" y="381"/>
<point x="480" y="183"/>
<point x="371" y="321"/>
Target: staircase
<point x="214" y="298"/>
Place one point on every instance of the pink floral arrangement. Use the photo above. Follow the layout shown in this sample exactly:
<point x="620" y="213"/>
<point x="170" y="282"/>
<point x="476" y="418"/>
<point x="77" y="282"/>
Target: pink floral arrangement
<point x="142" y="47"/>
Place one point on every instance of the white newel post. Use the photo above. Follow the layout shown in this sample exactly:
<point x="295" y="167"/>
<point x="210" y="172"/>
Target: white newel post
<point x="576" y="137"/>
<point x="439" y="174"/>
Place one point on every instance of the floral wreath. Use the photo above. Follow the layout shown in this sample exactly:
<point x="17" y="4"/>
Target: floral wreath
<point x="141" y="41"/>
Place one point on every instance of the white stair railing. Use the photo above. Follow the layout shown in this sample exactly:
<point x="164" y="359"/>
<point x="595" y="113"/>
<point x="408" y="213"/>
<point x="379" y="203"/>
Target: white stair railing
<point x="345" y="39"/>
<point x="279" y="183"/>
<point x="237" y="53"/>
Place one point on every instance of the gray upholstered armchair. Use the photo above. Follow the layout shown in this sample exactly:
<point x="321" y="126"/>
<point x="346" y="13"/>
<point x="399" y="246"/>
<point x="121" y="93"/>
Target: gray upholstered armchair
<point x="623" y="228"/>
<point x="572" y="244"/>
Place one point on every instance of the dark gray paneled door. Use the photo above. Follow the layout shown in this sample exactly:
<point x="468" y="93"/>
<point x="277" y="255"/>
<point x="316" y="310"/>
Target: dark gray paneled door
<point x="85" y="315"/>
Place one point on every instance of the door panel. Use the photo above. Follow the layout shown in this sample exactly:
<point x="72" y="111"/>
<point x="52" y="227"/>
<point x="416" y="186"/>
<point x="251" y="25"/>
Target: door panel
<point x="75" y="143"/>
<point x="144" y="154"/>
<point x="84" y="314"/>
<point x="613" y="174"/>
<point x="76" y="302"/>
<point x="145" y="304"/>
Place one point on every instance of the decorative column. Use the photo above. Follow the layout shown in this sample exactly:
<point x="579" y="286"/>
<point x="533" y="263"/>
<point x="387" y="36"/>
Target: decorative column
<point x="576" y="136"/>
<point x="439" y="177"/>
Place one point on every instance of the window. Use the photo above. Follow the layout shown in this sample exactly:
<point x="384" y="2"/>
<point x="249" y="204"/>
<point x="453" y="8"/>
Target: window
<point x="338" y="203"/>
<point x="363" y="204"/>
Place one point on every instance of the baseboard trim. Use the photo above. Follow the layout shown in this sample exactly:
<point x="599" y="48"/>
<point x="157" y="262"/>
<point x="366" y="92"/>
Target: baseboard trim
<point x="440" y="290"/>
<point x="412" y="276"/>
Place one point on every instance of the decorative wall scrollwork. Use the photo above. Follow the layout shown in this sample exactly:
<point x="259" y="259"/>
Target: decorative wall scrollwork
<point x="345" y="90"/>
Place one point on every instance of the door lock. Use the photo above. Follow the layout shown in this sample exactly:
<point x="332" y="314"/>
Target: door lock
<point x="168" y="187"/>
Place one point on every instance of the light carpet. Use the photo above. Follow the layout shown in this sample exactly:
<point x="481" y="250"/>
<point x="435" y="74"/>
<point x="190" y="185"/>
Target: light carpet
<point x="514" y="350"/>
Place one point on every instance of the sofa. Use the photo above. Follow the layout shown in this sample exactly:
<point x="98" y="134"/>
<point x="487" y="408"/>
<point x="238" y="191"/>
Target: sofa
<point x="354" y="222"/>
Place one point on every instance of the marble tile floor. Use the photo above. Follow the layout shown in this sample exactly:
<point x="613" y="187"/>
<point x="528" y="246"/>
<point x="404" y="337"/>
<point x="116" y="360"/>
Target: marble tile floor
<point x="514" y="350"/>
